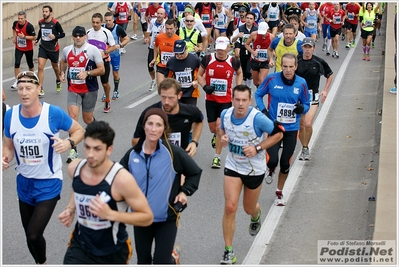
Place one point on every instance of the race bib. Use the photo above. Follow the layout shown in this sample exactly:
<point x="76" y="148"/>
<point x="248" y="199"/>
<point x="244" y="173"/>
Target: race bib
<point x="184" y="78"/>
<point x="31" y="151"/>
<point x="337" y="19"/>
<point x="165" y="56"/>
<point x="273" y="15"/>
<point x="220" y="86"/>
<point x="175" y="138"/>
<point x="220" y="23"/>
<point x="122" y="16"/>
<point x="312" y="23"/>
<point x="369" y="23"/>
<point x="85" y="217"/>
<point x="262" y="55"/>
<point x="351" y="16"/>
<point x="45" y="34"/>
<point x="73" y="75"/>
<point x="285" y="113"/>
<point x="21" y="42"/>
<point x="205" y="18"/>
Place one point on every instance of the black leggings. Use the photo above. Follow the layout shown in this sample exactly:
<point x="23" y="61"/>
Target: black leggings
<point x="164" y="234"/>
<point x="289" y="143"/>
<point x="34" y="220"/>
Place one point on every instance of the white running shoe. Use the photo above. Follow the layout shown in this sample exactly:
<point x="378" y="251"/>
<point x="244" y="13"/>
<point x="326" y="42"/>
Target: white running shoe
<point x="15" y="85"/>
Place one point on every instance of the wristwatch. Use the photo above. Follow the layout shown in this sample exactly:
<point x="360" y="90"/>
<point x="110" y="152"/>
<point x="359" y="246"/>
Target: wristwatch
<point x="258" y="148"/>
<point x="71" y="142"/>
<point x="195" y="142"/>
<point x="88" y="73"/>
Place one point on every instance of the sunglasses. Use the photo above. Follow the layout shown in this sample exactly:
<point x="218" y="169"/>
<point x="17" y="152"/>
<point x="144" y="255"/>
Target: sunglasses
<point x="30" y="74"/>
<point x="78" y="35"/>
<point x="189" y="20"/>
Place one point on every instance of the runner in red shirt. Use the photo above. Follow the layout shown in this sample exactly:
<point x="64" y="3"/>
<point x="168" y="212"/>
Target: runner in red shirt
<point x="336" y="17"/>
<point x="352" y="19"/>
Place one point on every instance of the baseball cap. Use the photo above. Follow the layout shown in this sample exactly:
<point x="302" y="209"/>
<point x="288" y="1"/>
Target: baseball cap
<point x="308" y="41"/>
<point x="179" y="47"/>
<point x="263" y="27"/>
<point x="335" y="3"/>
<point x="222" y="42"/>
<point x="242" y="9"/>
<point x="78" y="31"/>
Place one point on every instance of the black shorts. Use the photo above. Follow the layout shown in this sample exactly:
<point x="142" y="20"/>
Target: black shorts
<point x="334" y="32"/>
<point x="52" y="55"/>
<point x="257" y="65"/>
<point x="350" y="26"/>
<point x="230" y="28"/>
<point x="273" y="24"/>
<point x="161" y="70"/>
<point x="250" y="181"/>
<point x="366" y="34"/>
<point x="105" y="77"/>
<point x="75" y="254"/>
<point x="29" y="58"/>
<point x="214" y="109"/>
<point x="189" y="100"/>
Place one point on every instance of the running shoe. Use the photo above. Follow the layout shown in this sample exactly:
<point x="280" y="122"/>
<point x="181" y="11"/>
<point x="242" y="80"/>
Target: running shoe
<point x="41" y="92"/>
<point x="115" y="96"/>
<point x="254" y="226"/>
<point x="59" y="87"/>
<point x="393" y="90"/>
<point x="228" y="257"/>
<point x="72" y="155"/>
<point x="15" y="85"/>
<point x="324" y="48"/>
<point x="306" y="154"/>
<point x="134" y="37"/>
<point x="348" y="46"/>
<point x="353" y="44"/>
<point x="269" y="177"/>
<point x="213" y="141"/>
<point x="216" y="163"/>
<point x="152" y="86"/>
<point x="336" y="54"/>
<point x="202" y="54"/>
<point x="107" y="107"/>
<point x="378" y="32"/>
<point x="343" y="37"/>
<point x="364" y="57"/>
<point x="372" y="45"/>
<point x="103" y="98"/>
<point x="328" y="53"/>
<point x="279" y="200"/>
<point x="368" y="57"/>
<point x="123" y="50"/>
<point x="176" y="254"/>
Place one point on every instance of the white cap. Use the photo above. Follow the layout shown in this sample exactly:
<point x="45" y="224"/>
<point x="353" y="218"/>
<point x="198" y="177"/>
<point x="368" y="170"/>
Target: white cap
<point x="263" y="27"/>
<point x="222" y="42"/>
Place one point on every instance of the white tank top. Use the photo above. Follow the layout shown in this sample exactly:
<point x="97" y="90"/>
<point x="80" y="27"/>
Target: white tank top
<point x="34" y="154"/>
<point x="239" y="136"/>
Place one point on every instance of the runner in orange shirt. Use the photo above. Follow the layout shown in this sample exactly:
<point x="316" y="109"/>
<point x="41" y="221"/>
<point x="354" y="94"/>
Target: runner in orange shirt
<point x="163" y="48"/>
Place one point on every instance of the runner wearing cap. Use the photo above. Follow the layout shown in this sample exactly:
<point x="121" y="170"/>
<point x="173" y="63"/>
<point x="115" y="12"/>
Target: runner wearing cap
<point x="257" y="45"/>
<point x="311" y="67"/>
<point x="184" y="68"/>
<point x="80" y="65"/>
<point x="163" y="48"/>
<point x="215" y="76"/>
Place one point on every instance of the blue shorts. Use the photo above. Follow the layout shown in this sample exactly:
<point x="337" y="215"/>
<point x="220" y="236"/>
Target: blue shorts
<point x="115" y="61"/>
<point x="221" y="30"/>
<point x="33" y="191"/>
<point x="309" y="32"/>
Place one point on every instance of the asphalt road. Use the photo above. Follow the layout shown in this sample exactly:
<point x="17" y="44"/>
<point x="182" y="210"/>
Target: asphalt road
<point x="200" y="232"/>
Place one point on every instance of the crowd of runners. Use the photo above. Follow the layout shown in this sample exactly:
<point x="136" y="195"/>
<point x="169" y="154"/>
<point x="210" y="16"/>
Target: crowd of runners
<point x="230" y="52"/>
